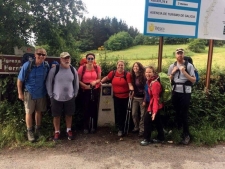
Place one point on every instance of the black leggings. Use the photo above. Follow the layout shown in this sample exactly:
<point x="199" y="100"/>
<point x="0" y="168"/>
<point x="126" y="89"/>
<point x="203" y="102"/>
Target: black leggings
<point x="90" y="107"/>
<point x="120" y="106"/>
<point x="148" y="126"/>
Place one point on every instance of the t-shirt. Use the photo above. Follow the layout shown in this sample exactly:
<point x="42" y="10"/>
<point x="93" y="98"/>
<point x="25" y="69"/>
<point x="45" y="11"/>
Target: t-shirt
<point x="182" y="78"/>
<point x="63" y="89"/>
<point x="119" y="84"/>
<point x="89" y="75"/>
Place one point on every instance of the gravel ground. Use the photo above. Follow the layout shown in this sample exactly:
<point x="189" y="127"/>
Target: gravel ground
<point x="105" y="150"/>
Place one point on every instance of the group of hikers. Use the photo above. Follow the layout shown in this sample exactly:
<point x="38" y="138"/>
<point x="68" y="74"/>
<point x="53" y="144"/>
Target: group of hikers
<point x="62" y="83"/>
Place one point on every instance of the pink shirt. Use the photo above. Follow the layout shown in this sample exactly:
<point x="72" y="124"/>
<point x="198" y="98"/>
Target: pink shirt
<point x="89" y="75"/>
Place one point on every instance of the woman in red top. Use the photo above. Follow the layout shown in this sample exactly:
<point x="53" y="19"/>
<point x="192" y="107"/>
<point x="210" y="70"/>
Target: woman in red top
<point x="153" y="113"/>
<point x="121" y="91"/>
<point x="90" y="76"/>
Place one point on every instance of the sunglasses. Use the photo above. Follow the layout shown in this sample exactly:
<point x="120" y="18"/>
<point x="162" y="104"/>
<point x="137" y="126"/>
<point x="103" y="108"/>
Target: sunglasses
<point x="41" y="54"/>
<point x="90" y="58"/>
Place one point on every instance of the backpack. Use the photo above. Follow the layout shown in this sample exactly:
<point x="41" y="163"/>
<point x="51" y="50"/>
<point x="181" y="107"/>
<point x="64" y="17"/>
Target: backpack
<point x="114" y="73"/>
<point x="166" y="93"/>
<point x="188" y="59"/>
<point x="57" y="70"/>
<point x="27" y="57"/>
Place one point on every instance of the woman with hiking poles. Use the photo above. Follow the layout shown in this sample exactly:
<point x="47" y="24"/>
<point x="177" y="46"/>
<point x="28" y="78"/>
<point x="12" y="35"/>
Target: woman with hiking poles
<point x="90" y="76"/>
<point x="153" y="112"/>
<point x="138" y="81"/>
<point x="122" y="90"/>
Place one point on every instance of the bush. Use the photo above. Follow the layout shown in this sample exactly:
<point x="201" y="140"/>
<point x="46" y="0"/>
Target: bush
<point x="197" y="45"/>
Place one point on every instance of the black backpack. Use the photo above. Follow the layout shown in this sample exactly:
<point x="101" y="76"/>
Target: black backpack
<point x="27" y="57"/>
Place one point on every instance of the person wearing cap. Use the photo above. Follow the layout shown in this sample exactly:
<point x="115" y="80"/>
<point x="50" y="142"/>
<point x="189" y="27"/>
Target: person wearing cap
<point x="32" y="76"/>
<point x="182" y="77"/>
<point x="62" y="89"/>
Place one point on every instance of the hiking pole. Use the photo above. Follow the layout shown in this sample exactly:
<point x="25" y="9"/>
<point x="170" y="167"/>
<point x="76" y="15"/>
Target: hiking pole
<point x="127" y="121"/>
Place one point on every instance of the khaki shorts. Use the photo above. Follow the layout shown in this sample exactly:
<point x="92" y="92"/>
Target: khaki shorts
<point x="34" y="105"/>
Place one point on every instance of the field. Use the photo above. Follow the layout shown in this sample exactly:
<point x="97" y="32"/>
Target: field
<point x="148" y="55"/>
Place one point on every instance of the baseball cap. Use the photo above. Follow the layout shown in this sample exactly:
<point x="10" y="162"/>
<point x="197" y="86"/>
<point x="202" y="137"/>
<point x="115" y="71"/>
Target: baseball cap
<point x="64" y="54"/>
<point x="179" y="50"/>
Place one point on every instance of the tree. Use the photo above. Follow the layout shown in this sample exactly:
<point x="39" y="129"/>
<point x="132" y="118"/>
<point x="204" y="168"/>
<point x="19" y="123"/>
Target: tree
<point x="121" y="40"/>
<point x="15" y="25"/>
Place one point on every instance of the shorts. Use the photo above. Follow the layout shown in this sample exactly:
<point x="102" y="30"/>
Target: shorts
<point x="59" y="107"/>
<point x="32" y="105"/>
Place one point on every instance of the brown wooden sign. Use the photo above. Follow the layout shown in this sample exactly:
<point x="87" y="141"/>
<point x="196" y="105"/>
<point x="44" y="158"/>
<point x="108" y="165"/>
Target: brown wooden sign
<point x="11" y="64"/>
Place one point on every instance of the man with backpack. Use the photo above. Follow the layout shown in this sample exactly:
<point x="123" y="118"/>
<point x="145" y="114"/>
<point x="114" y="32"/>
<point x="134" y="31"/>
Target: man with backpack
<point x="182" y="77"/>
<point x="62" y="86"/>
<point x="32" y="90"/>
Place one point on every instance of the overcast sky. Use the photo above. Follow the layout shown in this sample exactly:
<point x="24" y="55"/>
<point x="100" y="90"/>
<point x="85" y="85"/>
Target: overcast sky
<point x="130" y="11"/>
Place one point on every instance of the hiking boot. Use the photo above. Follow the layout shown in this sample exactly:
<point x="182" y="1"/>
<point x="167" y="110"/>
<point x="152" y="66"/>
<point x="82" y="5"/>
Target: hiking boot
<point x="70" y="135"/>
<point x="186" y="140"/>
<point x="56" y="136"/>
<point x="120" y="133"/>
<point x="30" y="136"/>
<point x="37" y="132"/>
<point x="145" y="142"/>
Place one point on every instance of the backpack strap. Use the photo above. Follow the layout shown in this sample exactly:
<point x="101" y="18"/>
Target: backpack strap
<point x="84" y="69"/>
<point x="28" y="70"/>
<point x="72" y="70"/>
<point x="187" y="83"/>
<point x="124" y="75"/>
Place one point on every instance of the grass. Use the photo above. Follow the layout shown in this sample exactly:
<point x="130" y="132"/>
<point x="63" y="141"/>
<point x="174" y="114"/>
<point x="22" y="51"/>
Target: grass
<point x="148" y="55"/>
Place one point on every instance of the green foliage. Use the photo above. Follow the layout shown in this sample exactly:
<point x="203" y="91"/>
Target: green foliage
<point x="197" y="45"/>
<point x="121" y="40"/>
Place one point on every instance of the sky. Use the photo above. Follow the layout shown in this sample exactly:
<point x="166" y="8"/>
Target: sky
<point x="130" y="11"/>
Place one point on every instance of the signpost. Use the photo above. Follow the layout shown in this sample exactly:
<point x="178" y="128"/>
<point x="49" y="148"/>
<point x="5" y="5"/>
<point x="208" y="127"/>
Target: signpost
<point x="203" y="19"/>
<point x="10" y="64"/>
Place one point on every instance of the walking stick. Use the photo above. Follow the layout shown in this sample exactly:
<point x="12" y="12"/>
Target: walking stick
<point x="127" y="121"/>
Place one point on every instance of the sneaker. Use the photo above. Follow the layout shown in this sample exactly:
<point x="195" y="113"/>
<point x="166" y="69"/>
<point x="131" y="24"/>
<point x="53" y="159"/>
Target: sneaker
<point x="186" y="140"/>
<point x="56" y="136"/>
<point x="120" y="133"/>
<point x="86" y="131"/>
<point x="70" y="135"/>
<point x="30" y="136"/>
<point x="157" y="141"/>
<point x="145" y="142"/>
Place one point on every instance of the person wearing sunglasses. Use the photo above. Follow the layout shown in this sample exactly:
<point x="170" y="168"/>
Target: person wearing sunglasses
<point x="34" y="93"/>
<point x="90" y="76"/>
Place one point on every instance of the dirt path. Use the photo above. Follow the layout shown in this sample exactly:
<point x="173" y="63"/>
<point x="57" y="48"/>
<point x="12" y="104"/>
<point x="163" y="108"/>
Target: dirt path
<point x="104" y="150"/>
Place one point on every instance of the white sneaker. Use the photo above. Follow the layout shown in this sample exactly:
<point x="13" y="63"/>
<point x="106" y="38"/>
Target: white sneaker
<point x="120" y="133"/>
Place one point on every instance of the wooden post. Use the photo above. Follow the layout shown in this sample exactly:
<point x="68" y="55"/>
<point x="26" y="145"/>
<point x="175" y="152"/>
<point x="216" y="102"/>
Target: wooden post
<point x="209" y="65"/>
<point x="160" y="54"/>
